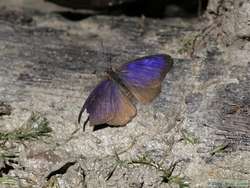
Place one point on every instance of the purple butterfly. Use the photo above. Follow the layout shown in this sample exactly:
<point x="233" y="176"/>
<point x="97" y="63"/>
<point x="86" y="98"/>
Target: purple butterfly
<point x="111" y="101"/>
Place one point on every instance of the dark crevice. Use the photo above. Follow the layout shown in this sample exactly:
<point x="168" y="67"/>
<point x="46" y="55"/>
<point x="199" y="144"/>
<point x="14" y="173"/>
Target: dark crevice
<point x="74" y="16"/>
<point x="6" y="169"/>
<point x="61" y="170"/>
<point x="246" y="37"/>
<point x="5" y="109"/>
<point x="133" y="8"/>
<point x="163" y="8"/>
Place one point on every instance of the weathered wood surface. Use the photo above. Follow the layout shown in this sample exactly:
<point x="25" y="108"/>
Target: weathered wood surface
<point x="49" y="65"/>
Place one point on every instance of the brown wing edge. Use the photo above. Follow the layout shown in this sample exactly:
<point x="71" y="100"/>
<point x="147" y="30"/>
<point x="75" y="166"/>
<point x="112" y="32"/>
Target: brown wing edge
<point x="170" y="62"/>
<point x="147" y="95"/>
<point x="126" y="113"/>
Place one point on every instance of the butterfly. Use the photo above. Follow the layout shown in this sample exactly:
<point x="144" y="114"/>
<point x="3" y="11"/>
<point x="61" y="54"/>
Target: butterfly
<point x="111" y="102"/>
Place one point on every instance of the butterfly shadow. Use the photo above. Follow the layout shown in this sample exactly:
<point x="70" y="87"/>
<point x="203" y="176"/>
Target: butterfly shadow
<point x="100" y="126"/>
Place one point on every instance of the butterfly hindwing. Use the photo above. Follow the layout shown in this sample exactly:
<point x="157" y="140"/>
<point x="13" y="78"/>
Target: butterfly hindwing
<point x="143" y="76"/>
<point x="107" y="104"/>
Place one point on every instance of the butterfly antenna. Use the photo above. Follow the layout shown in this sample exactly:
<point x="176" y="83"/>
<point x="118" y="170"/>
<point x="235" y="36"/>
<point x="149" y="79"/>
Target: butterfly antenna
<point x="110" y="61"/>
<point x="103" y="50"/>
<point x="107" y="54"/>
<point x="102" y="46"/>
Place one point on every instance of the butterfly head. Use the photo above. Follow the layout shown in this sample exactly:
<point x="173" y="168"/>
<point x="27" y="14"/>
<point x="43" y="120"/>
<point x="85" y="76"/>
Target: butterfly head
<point x="110" y="72"/>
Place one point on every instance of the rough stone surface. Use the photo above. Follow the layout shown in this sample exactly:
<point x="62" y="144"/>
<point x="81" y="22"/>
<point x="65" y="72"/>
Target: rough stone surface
<point x="231" y="19"/>
<point x="49" y="65"/>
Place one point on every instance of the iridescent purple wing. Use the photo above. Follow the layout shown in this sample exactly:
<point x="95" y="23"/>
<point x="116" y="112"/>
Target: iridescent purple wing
<point x="106" y="104"/>
<point x="143" y="76"/>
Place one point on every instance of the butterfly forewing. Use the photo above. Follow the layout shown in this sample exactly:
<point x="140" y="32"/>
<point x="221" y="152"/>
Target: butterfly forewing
<point x="143" y="76"/>
<point x="107" y="104"/>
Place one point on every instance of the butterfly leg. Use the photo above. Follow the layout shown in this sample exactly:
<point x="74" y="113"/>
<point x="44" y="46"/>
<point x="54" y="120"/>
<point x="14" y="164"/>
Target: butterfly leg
<point x="85" y="123"/>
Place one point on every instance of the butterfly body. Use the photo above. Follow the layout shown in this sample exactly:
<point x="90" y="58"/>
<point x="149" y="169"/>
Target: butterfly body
<point x="114" y="76"/>
<point x="111" y="101"/>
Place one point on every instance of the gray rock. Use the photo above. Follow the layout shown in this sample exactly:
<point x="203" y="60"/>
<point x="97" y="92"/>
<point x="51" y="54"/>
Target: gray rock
<point x="196" y="131"/>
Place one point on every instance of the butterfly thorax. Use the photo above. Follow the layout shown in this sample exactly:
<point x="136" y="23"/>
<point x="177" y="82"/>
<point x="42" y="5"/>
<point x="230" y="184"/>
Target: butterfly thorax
<point x="113" y="75"/>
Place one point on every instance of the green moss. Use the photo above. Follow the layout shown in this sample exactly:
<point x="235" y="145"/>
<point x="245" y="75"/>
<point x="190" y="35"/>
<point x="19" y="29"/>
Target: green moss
<point x="167" y="176"/>
<point x="167" y="173"/>
<point x="219" y="149"/>
<point x="8" y="181"/>
<point x="188" y="43"/>
<point x="7" y="155"/>
<point x="189" y="137"/>
<point x="180" y="181"/>
<point x="52" y="183"/>
<point x="33" y="129"/>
